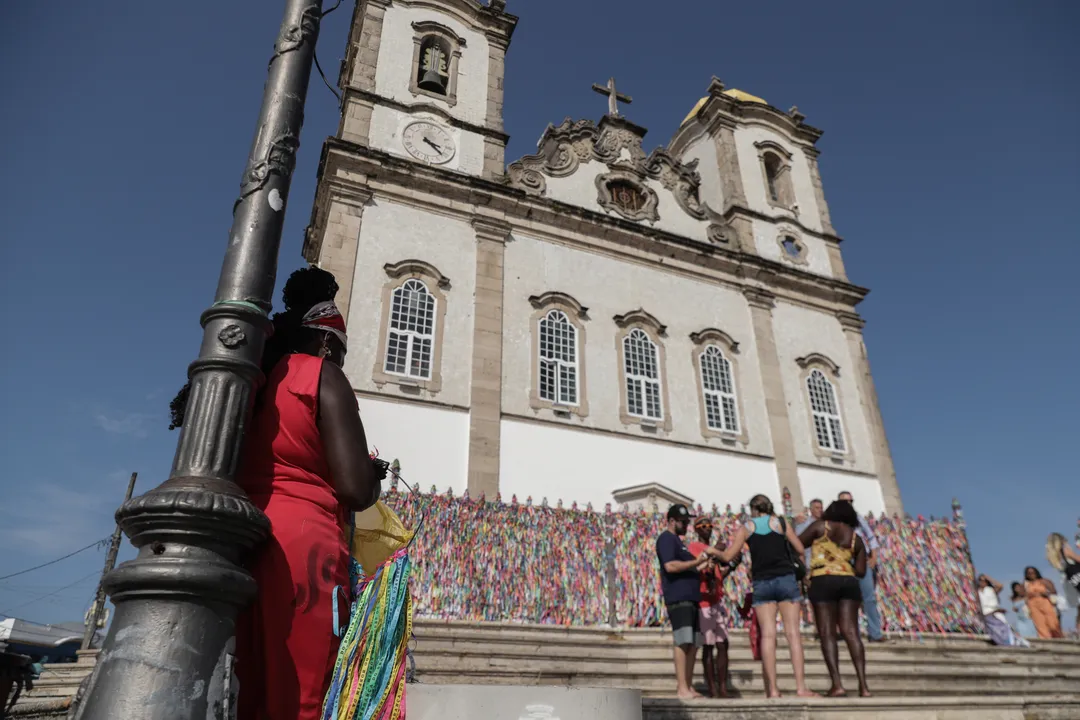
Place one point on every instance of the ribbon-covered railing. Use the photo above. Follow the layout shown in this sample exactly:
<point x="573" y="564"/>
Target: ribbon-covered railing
<point x="521" y="562"/>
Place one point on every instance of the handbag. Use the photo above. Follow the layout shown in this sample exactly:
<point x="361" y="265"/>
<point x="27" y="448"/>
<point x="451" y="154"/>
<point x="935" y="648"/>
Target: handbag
<point x="797" y="562"/>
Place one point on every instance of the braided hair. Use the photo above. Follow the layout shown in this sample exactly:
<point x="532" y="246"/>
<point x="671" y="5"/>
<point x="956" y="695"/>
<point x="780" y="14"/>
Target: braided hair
<point x="305" y="288"/>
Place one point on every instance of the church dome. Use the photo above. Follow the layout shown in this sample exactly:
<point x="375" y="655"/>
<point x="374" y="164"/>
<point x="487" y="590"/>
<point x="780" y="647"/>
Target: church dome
<point x="735" y="93"/>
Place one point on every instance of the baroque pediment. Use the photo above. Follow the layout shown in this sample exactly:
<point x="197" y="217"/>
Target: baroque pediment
<point x="616" y="143"/>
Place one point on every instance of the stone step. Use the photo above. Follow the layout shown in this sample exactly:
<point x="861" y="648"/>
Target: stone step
<point x="1048" y="707"/>
<point x="563" y="665"/>
<point x="634" y="637"/>
<point x="749" y="681"/>
<point x="739" y="650"/>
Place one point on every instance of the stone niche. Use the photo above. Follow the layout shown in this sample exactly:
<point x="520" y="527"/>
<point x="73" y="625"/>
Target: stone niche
<point x="649" y="497"/>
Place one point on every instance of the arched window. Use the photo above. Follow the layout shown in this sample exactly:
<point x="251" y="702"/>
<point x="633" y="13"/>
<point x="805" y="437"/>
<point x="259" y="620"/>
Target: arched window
<point x="558" y="359"/>
<point x="412" y="331"/>
<point x="826" y="412"/>
<point x="772" y="176"/>
<point x="642" y="366"/>
<point x="718" y="388"/>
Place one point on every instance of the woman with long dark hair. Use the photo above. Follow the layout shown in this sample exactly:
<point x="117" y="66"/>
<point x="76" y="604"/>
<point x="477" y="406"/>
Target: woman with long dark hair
<point x="772" y="569"/>
<point x="305" y="464"/>
<point x="1037" y="591"/>
<point x="837" y="560"/>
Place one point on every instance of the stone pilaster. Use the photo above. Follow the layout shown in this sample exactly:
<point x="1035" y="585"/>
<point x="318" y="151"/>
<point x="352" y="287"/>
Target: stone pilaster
<point x="787" y="469"/>
<point x="886" y="474"/>
<point x="836" y="261"/>
<point x="361" y="62"/>
<point x="819" y="191"/>
<point x="485" y="404"/>
<point x="495" y="150"/>
<point x="727" y="156"/>
<point x="341" y="240"/>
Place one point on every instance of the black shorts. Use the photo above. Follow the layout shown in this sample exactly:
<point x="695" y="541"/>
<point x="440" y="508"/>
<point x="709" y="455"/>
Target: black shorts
<point x="834" y="588"/>
<point x="685" y="623"/>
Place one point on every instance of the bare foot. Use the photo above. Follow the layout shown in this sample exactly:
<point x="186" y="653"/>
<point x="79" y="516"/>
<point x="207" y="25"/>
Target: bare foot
<point x="836" y="692"/>
<point x="722" y="693"/>
<point x="865" y="692"/>
<point x="690" y="695"/>
<point x="775" y="694"/>
<point x="807" y="693"/>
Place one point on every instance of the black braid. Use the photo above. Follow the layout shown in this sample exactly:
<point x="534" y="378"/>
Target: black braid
<point x="305" y="288"/>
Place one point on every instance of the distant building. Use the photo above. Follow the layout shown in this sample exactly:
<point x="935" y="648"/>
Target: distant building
<point x="591" y="318"/>
<point x="56" y="642"/>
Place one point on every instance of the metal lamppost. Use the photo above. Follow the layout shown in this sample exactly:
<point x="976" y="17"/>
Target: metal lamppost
<point x="168" y="654"/>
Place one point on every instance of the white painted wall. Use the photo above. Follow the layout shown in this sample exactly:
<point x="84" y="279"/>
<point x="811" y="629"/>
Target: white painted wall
<point x="754" y="180"/>
<point x="387" y="124"/>
<point x="827" y="484"/>
<point x="704" y="151"/>
<point x="432" y="443"/>
<point x="580" y="189"/>
<point x="391" y="233"/>
<point x="395" y="62"/>
<point x="610" y="287"/>
<point x="765" y="239"/>
<point x="544" y="460"/>
<point x="799" y="332"/>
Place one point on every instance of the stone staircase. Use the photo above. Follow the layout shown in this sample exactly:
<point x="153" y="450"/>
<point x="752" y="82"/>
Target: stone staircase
<point x="54" y="689"/>
<point x="930" y="677"/>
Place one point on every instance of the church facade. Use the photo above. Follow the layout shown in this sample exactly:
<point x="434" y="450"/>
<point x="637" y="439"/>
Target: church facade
<point x="592" y="322"/>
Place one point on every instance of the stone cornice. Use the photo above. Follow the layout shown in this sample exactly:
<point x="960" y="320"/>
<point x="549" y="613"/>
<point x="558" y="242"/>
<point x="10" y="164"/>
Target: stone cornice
<point x="733" y="211"/>
<point x="850" y="321"/>
<point x="491" y="18"/>
<point x="721" y="109"/>
<point x="371" y="97"/>
<point x="459" y="195"/>
<point x="491" y="229"/>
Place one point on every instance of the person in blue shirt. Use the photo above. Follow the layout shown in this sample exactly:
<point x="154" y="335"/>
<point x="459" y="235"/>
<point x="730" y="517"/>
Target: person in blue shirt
<point x="868" y="582"/>
<point x="681" y="587"/>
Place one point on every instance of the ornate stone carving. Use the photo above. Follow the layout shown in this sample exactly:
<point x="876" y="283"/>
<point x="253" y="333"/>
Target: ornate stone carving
<point x="563" y="148"/>
<point x="623" y="192"/>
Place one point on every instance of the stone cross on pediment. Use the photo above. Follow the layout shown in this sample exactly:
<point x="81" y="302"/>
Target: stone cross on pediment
<point x="614" y="98"/>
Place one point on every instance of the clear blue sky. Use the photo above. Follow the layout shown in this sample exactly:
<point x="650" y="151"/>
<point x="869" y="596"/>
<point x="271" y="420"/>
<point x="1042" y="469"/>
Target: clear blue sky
<point x="949" y="159"/>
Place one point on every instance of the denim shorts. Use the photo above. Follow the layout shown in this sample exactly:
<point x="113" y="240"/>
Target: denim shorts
<point x="777" y="589"/>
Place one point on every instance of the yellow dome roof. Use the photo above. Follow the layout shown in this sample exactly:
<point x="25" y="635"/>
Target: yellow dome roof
<point x="732" y="93"/>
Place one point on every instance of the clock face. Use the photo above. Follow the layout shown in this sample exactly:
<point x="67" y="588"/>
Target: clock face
<point x="428" y="142"/>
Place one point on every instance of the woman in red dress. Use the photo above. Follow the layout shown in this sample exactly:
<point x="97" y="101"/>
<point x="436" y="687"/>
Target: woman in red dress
<point x="306" y="466"/>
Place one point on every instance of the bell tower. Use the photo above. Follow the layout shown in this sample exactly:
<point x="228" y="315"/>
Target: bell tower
<point x="423" y="80"/>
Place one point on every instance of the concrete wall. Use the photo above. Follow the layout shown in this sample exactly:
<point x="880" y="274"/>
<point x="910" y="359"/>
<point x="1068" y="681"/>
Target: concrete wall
<point x="387" y="124"/>
<point x="711" y="189"/>
<point x="799" y="332"/>
<point x="827" y="484"/>
<point x="432" y="443"/>
<point x="754" y="180"/>
<point x="395" y="62"/>
<point x="544" y="460"/>
<point x="609" y="287"/>
<point x="580" y="189"/>
<point x="391" y="233"/>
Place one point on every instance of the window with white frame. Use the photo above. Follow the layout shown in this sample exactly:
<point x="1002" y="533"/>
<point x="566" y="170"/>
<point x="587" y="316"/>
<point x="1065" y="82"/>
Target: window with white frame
<point x="642" y="365"/>
<point x="558" y="359"/>
<point x="718" y="388"/>
<point x="412" y="331"/>
<point x="826" y="412"/>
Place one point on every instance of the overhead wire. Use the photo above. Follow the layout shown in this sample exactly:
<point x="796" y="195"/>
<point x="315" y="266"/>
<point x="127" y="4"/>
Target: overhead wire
<point x="53" y="562"/>
<point x="57" y="591"/>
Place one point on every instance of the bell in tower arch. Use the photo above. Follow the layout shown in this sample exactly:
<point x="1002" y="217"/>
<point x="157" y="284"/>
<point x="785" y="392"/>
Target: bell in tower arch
<point x="433" y="74"/>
